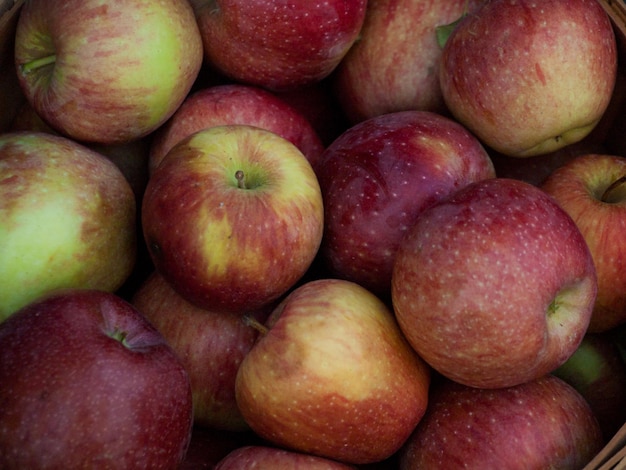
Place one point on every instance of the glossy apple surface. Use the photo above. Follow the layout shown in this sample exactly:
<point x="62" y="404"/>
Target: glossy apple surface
<point x="378" y="176"/>
<point x="107" y="72"/>
<point x="333" y="376"/>
<point x="87" y="382"/>
<point x="494" y="286"/>
<point x="67" y="219"/>
<point x="233" y="217"/>
<point x="540" y="424"/>
<point x="528" y="77"/>
<point x="592" y="190"/>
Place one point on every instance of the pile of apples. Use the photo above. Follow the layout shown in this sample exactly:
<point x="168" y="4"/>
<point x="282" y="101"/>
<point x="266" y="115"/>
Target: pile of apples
<point x="339" y="234"/>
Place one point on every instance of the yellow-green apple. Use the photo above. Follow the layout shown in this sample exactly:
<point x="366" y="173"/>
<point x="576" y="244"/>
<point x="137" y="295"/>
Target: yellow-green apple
<point x="233" y="217"/>
<point x="544" y="423"/>
<point x="265" y="456"/>
<point x="105" y="71"/>
<point x="88" y="382"/>
<point x="394" y="66"/>
<point x="236" y="104"/>
<point x="210" y="345"/>
<point x="67" y="219"/>
<point x="592" y="190"/>
<point x="530" y="76"/>
<point x="332" y="375"/>
<point x="494" y="286"/>
<point x="278" y="46"/>
<point x="378" y="176"/>
<point x="596" y="370"/>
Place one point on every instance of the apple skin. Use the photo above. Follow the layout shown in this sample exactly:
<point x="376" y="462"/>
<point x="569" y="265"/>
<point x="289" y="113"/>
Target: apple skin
<point x="333" y="376"/>
<point x="121" y="69"/>
<point x="236" y="104"/>
<point x="581" y="189"/>
<point x="278" y="46"/>
<point x="226" y="248"/>
<point x="68" y="219"/>
<point x="596" y="370"/>
<point x="494" y="286"/>
<point x="528" y="77"/>
<point x="540" y="424"/>
<point x="211" y="346"/>
<point x="378" y="176"/>
<point x="371" y="81"/>
<point x="87" y="382"/>
<point x="264" y="456"/>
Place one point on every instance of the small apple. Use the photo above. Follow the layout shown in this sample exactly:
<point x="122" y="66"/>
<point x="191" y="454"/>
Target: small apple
<point x="333" y="376"/>
<point x="540" y="424"/>
<point x="494" y="286"/>
<point x="236" y="104"/>
<point x="105" y="71"/>
<point x="67" y="219"/>
<point x="596" y="370"/>
<point x="233" y="217"/>
<point x="394" y="66"/>
<point x="530" y="76"/>
<point x="378" y="176"/>
<point x="278" y="46"/>
<point x="592" y="190"/>
<point x="264" y="456"/>
<point x="87" y="382"/>
<point x="210" y="345"/>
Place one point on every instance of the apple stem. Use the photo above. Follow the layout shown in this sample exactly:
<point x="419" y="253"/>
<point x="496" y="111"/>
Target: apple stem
<point x="254" y="323"/>
<point x="241" y="179"/>
<point x="615" y="191"/>
<point x="28" y="67"/>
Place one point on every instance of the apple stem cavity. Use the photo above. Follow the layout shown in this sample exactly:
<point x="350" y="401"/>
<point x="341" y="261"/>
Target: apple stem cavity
<point x="443" y="32"/>
<point x="616" y="191"/>
<point x="119" y="335"/>
<point x="28" y="67"/>
<point x="254" y="323"/>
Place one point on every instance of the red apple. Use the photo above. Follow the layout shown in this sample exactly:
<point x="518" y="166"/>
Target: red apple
<point x="263" y="456"/>
<point x="210" y="345"/>
<point x="540" y="424"/>
<point x="494" y="286"/>
<point x="87" y="382"/>
<point x="333" y="376"/>
<point x="394" y="66"/>
<point x="278" y="46"/>
<point x="68" y="219"/>
<point x="592" y="190"/>
<point x="236" y="104"/>
<point x="530" y="76"/>
<point x="378" y="176"/>
<point x="233" y="217"/>
<point x="104" y="71"/>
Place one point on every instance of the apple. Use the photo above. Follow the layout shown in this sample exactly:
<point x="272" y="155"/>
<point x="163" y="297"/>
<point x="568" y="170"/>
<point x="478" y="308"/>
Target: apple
<point x="596" y="370"/>
<point x="333" y="376"/>
<point x="378" y="176"/>
<point x="530" y="76"/>
<point x="104" y="71"/>
<point x="68" y="219"/>
<point x="394" y="66"/>
<point x="278" y="46"/>
<point x="265" y="456"/>
<point x="233" y="217"/>
<point x="210" y="345"/>
<point x="494" y="286"/>
<point x="592" y="190"/>
<point x="236" y="104"/>
<point x="544" y="423"/>
<point x="87" y="382"/>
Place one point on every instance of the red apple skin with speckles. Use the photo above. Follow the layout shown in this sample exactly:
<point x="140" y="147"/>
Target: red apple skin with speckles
<point x="544" y="423"/>
<point x="378" y="176"/>
<point x="494" y="286"/>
